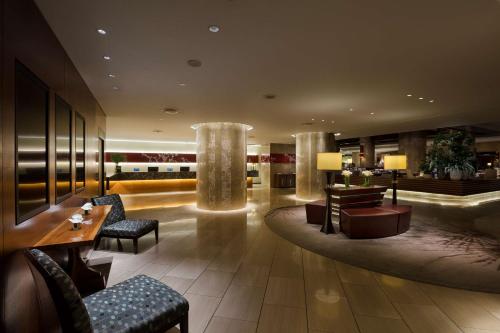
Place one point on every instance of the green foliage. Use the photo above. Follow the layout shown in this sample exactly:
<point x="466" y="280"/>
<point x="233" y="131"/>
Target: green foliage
<point x="451" y="150"/>
<point x="117" y="158"/>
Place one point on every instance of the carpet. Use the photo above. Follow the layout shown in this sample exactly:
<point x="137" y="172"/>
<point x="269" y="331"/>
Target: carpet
<point x="445" y="246"/>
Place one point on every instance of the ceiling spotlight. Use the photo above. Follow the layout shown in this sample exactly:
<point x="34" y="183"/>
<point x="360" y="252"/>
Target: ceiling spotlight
<point x="107" y="58"/>
<point x="115" y="88"/>
<point x="322" y="120"/>
<point x="170" y="111"/>
<point x="111" y="75"/>
<point x="337" y="134"/>
<point x="333" y="121"/>
<point x="372" y="113"/>
<point x="181" y="84"/>
<point x="420" y="98"/>
<point x="431" y="101"/>
<point x="351" y="109"/>
<point x="269" y="96"/>
<point x="409" y="95"/>
<point x="101" y="31"/>
<point x="293" y="135"/>
<point x="213" y="28"/>
<point x="312" y="119"/>
<point x="194" y="63"/>
<point x="157" y="131"/>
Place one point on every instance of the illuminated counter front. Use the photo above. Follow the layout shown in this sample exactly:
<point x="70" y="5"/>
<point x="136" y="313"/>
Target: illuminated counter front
<point x="442" y="192"/>
<point x="151" y="182"/>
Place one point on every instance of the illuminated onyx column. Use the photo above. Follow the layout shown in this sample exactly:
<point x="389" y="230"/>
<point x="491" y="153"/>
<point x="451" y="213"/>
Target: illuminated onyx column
<point x="221" y="171"/>
<point x="309" y="180"/>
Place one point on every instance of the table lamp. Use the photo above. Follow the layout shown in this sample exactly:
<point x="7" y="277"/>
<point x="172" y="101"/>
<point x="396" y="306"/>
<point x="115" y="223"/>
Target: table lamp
<point x="329" y="162"/>
<point x="395" y="163"/>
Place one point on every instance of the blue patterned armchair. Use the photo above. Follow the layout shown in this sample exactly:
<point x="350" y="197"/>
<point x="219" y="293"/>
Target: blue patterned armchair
<point x="118" y="226"/>
<point x="139" y="304"/>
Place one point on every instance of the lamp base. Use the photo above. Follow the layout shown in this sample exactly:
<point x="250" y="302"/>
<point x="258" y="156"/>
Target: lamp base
<point x="327" y="227"/>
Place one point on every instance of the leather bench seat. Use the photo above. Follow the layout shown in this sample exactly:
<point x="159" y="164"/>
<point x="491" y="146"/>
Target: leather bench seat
<point x="376" y="222"/>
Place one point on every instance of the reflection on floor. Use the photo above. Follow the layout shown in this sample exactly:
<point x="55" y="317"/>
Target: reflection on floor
<point x="240" y="277"/>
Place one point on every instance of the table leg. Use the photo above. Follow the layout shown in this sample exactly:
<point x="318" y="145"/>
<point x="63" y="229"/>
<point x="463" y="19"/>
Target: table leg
<point x="86" y="279"/>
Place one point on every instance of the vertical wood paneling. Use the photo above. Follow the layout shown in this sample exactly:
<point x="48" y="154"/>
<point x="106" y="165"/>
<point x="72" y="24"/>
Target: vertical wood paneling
<point x="27" y="37"/>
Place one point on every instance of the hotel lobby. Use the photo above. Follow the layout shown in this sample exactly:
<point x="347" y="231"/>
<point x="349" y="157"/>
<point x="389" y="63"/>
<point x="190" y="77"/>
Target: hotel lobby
<point x="250" y="167"/>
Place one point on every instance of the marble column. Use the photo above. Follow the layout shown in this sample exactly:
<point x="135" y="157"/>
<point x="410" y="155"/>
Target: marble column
<point x="309" y="181"/>
<point x="413" y="145"/>
<point x="368" y="149"/>
<point x="221" y="165"/>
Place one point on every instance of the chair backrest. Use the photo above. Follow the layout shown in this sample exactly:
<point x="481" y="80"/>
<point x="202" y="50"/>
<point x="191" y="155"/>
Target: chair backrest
<point x="72" y="312"/>
<point x="117" y="213"/>
<point x="28" y="305"/>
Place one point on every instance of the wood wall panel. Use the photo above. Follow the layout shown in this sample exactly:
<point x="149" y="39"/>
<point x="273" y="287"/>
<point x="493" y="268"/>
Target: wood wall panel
<point x="28" y="38"/>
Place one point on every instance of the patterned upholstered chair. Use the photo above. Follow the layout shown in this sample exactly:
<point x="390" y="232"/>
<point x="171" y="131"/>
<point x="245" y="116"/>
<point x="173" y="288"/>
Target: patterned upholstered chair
<point x="139" y="304"/>
<point x="118" y="226"/>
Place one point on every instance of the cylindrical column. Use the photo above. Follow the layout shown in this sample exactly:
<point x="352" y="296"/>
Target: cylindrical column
<point x="221" y="165"/>
<point x="310" y="182"/>
<point x="367" y="148"/>
<point x="413" y="145"/>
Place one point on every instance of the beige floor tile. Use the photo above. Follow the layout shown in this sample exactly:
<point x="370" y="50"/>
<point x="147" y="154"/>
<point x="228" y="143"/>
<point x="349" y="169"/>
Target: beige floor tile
<point x="462" y="308"/>
<point x="402" y="291"/>
<point x="189" y="268"/>
<point x="285" y="291"/>
<point x="201" y="310"/>
<point x="426" y="319"/>
<point x="351" y="274"/>
<point x="211" y="283"/>
<point x="153" y="270"/>
<point x="252" y="275"/>
<point x="381" y="325"/>
<point x="370" y="301"/>
<point x="317" y="263"/>
<point x="227" y="325"/>
<point x="325" y="282"/>
<point x="242" y="302"/>
<point x="226" y="262"/>
<point x="277" y="319"/>
<point x="180" y="285"/>
<point x="475" y="330"/>
<point x="490" y="302"/>
<point x="330" y="313"/>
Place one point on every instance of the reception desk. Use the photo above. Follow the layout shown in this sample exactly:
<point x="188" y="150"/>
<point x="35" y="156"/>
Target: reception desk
<point x="151" y="182"/>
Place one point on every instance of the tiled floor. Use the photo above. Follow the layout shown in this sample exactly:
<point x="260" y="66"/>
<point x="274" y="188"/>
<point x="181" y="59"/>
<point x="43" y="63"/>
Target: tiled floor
<point x="240" y="277"/>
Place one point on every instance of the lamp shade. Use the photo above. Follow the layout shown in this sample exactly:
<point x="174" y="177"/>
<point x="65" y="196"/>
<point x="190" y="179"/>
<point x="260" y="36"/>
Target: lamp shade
<point x="329" y="161"/>
<point x="395" y="162"/>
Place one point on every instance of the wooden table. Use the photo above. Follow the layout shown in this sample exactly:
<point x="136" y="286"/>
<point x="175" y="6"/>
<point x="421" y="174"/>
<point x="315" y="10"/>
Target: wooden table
<point x="86" y="279"/>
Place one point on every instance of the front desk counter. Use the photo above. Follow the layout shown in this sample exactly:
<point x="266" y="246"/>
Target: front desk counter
<point x="151" y="182"/>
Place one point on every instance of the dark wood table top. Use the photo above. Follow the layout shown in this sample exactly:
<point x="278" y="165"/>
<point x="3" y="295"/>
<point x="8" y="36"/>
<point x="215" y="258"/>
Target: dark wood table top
<point x="64" y="235"/>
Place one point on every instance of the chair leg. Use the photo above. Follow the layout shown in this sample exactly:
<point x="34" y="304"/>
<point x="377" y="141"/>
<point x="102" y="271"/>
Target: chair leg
<point x="135" y="245"/>
<point x="156" y="235"/>
<point x="120" y="247"/>
<point x="97" y="241"/>
<point x="184" y="324"/>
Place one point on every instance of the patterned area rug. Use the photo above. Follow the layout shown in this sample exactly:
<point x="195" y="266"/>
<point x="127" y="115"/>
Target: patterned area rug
<point x="453" y="247"/>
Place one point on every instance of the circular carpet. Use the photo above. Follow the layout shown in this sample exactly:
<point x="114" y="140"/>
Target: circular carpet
<point x="444" y="246"/>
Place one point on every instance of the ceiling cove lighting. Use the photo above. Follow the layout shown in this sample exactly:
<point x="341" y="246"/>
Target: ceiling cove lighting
<point x="151" y="141"/>
<point x="101" y="32"/>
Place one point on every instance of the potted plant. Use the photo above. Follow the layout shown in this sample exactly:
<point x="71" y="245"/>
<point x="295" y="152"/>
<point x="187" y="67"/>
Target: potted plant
<point x="117" y="158"/>
<point x="367" y="175"/>
<point x="347" y="177"/>
<point x="425" y="169"/>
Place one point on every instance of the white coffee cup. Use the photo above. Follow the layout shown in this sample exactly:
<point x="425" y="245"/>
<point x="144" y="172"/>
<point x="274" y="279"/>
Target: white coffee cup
<point x="77" y="217"/>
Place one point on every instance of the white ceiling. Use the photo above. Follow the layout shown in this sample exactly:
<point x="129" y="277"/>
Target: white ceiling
<point x="320" y="57"/>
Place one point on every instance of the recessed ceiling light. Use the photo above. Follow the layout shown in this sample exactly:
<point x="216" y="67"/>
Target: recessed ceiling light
<point x="157" y="131"/>
<point x="181" y="84"/>
<point x="338" y="133"/>
<point x="170" y="111"/>
<point x="312" y="119"/>
<point x="322" y="120"/>
<point x="107" y="58"/>
<point x="213" y="28"/>
<point x="269" y="96"/>
<point x="111" y="75"/>
<point x="420" y="98"/>
<point x="293" y="135"/>
<point x="431" y="101"/>
<point x="194" y="63"/>
<point x="372" y="113"/>
<point x="333" y="121"/>
<point x="101" y="31"/>
<point x="116" y="88"/>
<point x="409" y="95"/>
<point x="351" y="109"/>
<point x="161" y="118"/>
